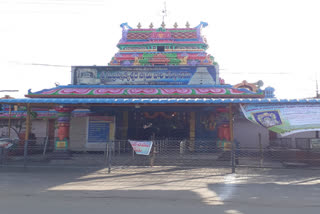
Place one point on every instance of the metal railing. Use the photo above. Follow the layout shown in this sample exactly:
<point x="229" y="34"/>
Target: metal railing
<point x="119" y="154"/>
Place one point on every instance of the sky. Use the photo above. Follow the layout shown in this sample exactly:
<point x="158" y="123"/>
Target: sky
<point x="276" y="41"/>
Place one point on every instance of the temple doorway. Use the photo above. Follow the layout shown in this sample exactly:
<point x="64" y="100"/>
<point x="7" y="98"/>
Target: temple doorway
<point x="161" y="125"/>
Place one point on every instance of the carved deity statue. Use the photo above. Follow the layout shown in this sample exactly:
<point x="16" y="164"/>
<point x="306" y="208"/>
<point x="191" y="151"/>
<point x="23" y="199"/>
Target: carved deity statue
<point x="184" y="60"/>
<point x="136" y="61"/>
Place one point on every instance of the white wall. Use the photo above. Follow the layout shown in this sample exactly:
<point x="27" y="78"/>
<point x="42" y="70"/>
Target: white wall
<point x="295" y="142"/>
<point x="78" y="133"/>
<point x="300" y="135"/>
<point x="247" y="132"/>
<point x="38" y="127"/>
<point x="4" y="133"/>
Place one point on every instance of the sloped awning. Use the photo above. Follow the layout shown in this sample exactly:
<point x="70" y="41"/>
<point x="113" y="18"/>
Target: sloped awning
<point x="157" y="101"/>
<point x="149" y="91"/>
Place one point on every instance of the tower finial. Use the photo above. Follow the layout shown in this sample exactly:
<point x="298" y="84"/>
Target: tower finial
<point x="151" y="25"/>
<point x="139" y="25"/>
<point x="187" y="25"/>
<point x="175" y="25"/>
<point x="163" y="25"/>
<point x="164" y="12"/>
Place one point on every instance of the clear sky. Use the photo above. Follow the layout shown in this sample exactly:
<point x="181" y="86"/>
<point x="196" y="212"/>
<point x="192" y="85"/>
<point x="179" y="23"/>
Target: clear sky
<point x="277" y="41"/>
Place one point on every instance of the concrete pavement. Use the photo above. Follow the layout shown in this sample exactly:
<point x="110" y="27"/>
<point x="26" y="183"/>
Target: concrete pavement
<point x="159" y="190"/>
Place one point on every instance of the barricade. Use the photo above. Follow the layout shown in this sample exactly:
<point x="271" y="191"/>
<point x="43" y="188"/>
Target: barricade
<point x="119" y="154"/>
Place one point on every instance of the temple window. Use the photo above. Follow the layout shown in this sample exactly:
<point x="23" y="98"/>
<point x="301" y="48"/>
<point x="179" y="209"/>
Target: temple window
<point x="160" y="48"/>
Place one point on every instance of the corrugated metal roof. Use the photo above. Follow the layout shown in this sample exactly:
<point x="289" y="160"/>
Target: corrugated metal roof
<point x="152" y="100"/>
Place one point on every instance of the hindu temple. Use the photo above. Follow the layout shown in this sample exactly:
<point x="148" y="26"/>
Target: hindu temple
<point x="161" y="84"/>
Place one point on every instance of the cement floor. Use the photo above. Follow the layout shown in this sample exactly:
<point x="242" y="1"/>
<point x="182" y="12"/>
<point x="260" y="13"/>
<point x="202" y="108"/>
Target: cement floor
<point x="159" y="190"/>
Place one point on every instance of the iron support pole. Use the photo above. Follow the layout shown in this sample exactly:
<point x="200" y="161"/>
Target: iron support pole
<point x="232" y="139"/>
<point x="26" y="139"/>
<point x="9" y="122"/>
<point x="109" y="158"/>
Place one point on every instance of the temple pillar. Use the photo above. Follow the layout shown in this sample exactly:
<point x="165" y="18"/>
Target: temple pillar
<point x="125" y="125"/>
<point x="231" y="123"/>
<point x="63" y="120"/>
<point x="192" y="129"/>
<point x="28" y="123"/>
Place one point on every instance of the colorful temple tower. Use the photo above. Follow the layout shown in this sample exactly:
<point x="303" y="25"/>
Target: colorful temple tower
<point x="162" y="46"/>
<point x="162" y="63"/>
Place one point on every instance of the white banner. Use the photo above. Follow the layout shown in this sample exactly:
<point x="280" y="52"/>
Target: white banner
<point x="284" y="119"/>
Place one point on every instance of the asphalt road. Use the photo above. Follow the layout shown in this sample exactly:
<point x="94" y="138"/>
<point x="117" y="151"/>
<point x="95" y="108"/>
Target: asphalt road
<point x="158" y="190"/>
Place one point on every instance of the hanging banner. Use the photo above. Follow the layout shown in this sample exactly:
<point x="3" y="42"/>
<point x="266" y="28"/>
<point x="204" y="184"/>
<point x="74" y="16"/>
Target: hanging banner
<point x="141" y="147"/>
<point x="284" y="119"/>
<point x="5" y="143"/>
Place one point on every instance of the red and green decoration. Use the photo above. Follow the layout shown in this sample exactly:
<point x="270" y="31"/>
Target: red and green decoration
<point x="162" y="46"/>
<point x="151" y="92"/>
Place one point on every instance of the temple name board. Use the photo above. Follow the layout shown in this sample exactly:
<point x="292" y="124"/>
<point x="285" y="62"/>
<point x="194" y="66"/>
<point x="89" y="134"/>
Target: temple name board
<point x="139" y="75"/>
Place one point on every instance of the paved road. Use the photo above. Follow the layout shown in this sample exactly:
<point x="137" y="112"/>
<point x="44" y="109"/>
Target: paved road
<point x="158" y="190"/>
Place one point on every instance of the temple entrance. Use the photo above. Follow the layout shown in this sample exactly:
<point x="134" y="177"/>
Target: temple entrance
<point x="161" y="125"/>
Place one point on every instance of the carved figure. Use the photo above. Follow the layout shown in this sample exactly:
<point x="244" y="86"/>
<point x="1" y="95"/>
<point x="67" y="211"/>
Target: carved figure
<point x="136" y="61"/>
<point x="184" y="60"/>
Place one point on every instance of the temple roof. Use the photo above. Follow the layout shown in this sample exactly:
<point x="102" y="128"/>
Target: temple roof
<point x="162" y="35"/>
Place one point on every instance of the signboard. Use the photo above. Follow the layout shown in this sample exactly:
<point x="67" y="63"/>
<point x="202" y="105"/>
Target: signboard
<point x="61" y="145"/>
<point x="100" y="131"/>
<point x="144" y="75"/>
<point x="141" y="147"/>
<point x="225" y="145"/>
<point x="315" y="143"/>
<point x="284" y="119"/>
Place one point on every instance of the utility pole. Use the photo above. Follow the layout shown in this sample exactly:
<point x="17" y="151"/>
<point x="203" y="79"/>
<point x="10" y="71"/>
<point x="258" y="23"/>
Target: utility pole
<point x="317" y="96"/>
<point x="317" y="91"/>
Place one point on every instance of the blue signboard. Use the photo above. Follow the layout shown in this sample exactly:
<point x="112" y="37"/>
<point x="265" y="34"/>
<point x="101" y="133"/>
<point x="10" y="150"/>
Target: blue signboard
<point x="144" y="75"/>
<point x="98" y="131"/>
